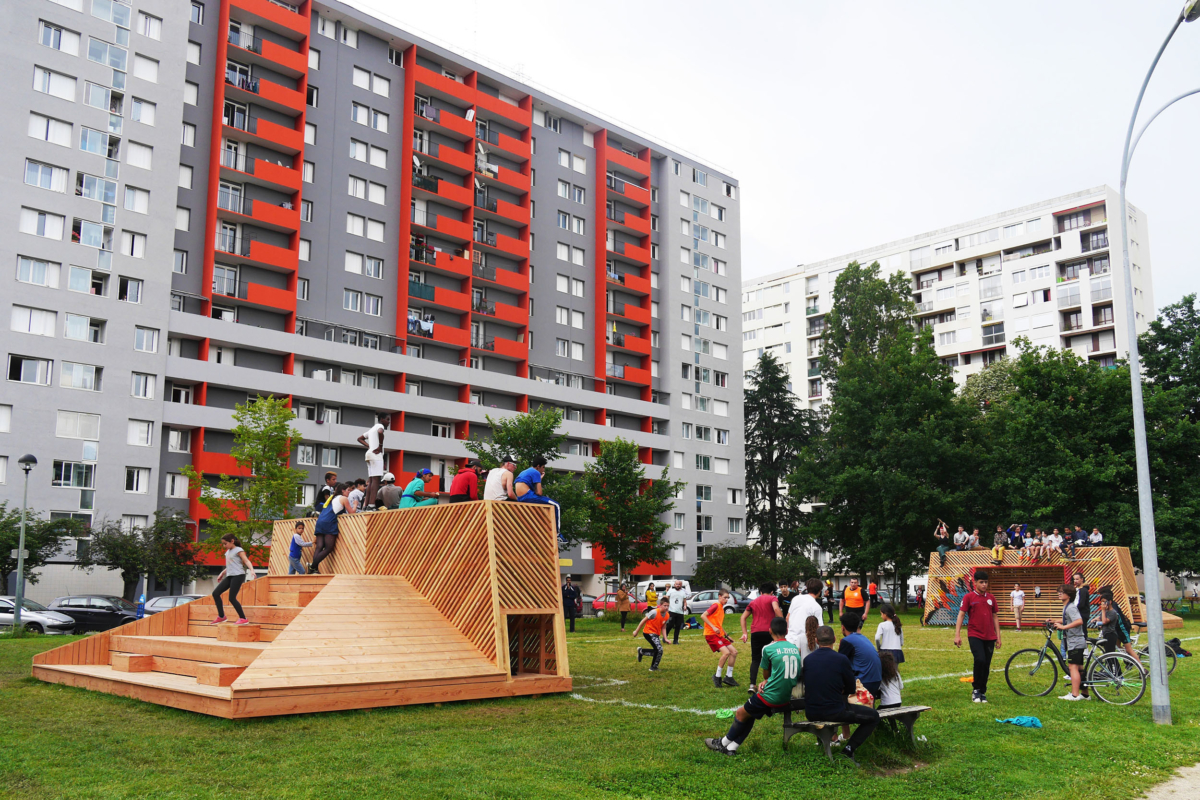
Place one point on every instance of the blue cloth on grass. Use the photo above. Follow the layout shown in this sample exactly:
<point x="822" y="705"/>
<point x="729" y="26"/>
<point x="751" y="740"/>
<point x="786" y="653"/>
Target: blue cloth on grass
<point x="1024" y="722"/>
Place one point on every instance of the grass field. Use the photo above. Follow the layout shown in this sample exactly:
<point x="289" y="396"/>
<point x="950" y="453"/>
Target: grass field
<point x="623" y="733"/>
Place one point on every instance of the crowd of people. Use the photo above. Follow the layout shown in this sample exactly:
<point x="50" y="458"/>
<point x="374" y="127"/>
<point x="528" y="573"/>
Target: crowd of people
<point x="1035" y="546"/>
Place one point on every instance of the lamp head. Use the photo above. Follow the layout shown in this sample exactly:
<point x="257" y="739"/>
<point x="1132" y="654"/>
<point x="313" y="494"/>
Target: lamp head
<point x="27" y="462"/>
<point x="1191" y="10"/>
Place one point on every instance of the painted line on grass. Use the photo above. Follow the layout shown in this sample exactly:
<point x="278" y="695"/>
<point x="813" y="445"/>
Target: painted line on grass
<point x="626" y="704"/>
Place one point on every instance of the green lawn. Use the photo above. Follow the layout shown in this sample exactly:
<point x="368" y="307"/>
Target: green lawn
<point x="70" y="743"/>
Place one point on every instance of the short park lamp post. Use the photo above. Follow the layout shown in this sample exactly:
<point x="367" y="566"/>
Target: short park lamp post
<point x="27" y="462"/>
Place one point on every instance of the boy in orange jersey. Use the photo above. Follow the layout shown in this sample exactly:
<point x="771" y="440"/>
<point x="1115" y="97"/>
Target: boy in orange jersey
<point x="714" y="634"/>
<point x="654" y="621"/>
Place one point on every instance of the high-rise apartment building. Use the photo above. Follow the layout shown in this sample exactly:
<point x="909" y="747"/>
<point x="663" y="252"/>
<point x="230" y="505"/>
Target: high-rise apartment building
<point x="1044" y="272"/>
<point x="209" y="201"/>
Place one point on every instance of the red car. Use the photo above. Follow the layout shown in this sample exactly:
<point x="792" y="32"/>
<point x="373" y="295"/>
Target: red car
<point x="607" y="604"/>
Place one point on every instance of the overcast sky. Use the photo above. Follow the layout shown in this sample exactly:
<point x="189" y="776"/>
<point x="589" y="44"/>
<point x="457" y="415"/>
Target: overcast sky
<point x="853" y="124"/>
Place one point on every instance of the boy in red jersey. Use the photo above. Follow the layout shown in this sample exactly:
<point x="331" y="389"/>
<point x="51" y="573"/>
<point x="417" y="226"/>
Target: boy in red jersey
<point x="714" y="634"/>
<point x="654" y="621"/>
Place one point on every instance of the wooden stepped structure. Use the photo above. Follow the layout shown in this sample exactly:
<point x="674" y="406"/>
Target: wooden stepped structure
<point x="1101" y="566"/>
<point x="424" y="605"/>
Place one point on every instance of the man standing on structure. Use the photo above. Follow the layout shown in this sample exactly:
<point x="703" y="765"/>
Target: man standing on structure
<point x="372" y="439"/>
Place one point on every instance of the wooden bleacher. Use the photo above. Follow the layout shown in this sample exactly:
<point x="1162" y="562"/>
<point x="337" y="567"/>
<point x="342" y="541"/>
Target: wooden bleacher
<point x="1101" y="566"/>
<point x="423" y="605"/>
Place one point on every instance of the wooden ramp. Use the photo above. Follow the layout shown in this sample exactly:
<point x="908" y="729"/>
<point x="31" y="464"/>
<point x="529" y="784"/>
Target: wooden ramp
<point x="479" y="618"/>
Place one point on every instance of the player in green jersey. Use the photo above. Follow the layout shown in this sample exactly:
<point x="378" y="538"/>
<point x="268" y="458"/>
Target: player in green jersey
<point x="781" y="673"/>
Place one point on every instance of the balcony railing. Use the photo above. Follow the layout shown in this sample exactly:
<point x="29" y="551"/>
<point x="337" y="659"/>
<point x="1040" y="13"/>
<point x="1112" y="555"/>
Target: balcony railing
<point x="230" y="287"/>
<point x="482" y="201"/>
<point x="422" y="217"/>
<point x="615" y="183"/>
<point x="810" y="310"/>
<point x="231" y="201"/>
<point x="1096" y="242"/>
<point x="926" y="306"/>
<point x="246" y="41"/>
<point x="617" y="339"/>
<point x="240" y="120"/>
<point x="1102" y="294"/>
<point x="1072" y="326"/>
<point x="814" y="372"/>
<point x="244" y="82"/>
<point x="614" y="276"/>
<point x="237" y="245"/>
<point x="1068" y="300"/>
<point x="993" y="339"/>
<point x="425" y="146"/>
<point x="615" y="370"/>
<point x="292" y="8"/>
<point x="418" y="326"/>
<point x="358" y="338"/>
<point x="428" y="112"/>
<point x="426" y="182"/>
<point x="491" y="137"/>
<point x="816" y="330"/>
<point x="615" y="215"/>
<point x="485" y="237"/>
<point x="482" y="305"/>
<point x="426" y="255"/>
<point x="483" y="271"/>
<point x="239" y="161"/>
<point x="421" y="290"/>
<point x="616" y="308"/>
<point x="483" y="342"/>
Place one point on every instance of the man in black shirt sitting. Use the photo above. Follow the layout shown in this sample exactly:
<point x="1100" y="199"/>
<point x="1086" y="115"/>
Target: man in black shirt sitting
<point x="828" y="681"/>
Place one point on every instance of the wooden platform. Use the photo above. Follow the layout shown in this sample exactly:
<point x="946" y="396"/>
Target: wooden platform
<point x="479" y="617"/>
<point x="1101" y="566"/>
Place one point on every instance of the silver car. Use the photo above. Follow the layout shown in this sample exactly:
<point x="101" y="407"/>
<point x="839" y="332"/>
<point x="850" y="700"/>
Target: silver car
<point x="35" y="617"/>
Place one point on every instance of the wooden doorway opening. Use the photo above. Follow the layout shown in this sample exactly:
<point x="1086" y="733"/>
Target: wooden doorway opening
<point x="531" y="646"/>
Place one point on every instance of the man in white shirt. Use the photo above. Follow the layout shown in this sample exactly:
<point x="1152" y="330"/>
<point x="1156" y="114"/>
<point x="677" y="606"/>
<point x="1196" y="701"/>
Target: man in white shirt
<point x="372" y="439"/>
<point x="1095" y="538"/>
<point x="499" y="484"/>
<point x="677" y="596"/>
<point x="961" y="537"/>
<point x="1017" y="597"/>
<point x="805" y="605"/>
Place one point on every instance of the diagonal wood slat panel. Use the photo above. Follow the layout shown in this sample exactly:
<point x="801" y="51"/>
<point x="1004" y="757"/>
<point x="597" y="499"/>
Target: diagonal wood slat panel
<point x="526" y="555"/>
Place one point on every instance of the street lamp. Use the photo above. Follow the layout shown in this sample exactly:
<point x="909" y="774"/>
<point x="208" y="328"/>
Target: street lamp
<point x="1160" y="694"/>
<point x="27" y="462"/>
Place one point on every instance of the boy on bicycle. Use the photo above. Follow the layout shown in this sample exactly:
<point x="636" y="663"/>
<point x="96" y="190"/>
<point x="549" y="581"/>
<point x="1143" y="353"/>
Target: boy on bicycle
<point x="1073" y="639"/>
<point x="1113" y="625"/>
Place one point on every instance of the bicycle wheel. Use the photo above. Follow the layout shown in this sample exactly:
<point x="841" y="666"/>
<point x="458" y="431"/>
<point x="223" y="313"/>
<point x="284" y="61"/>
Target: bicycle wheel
<point x="1031" y="673"/>
<point x="1144" y="657"/>
<point x="1116" y="678"/>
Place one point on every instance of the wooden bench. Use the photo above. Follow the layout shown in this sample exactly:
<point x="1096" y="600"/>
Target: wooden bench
<point x="825" y="731"/>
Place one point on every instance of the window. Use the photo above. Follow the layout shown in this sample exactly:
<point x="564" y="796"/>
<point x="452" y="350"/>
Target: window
<point x="351" y="300"/>
<point x="180" y="441"/>
<point x="177" y="486"/>
<point x="80" y="376"/>
<point x="137" y="200"/>
<point x="700" y="177"/>
<point x="562" y="347"/>
<point x="191" y="93"/>
<point x="193" y="53"/>
<point x="185" y="176"/>
<point x="564" y="190"/>
<point x="372" y="304"/>
<point x="58" y="38"/>
<point x="379" y="121"/>
<point x="53" y="83"/>
<point x="41" y="223"/>
<point x="377" y="193"/>
<point x="578" y="226"/>
<point x="312" y="96"/>
<point x="142" y="111"/>
<point x="356" y="224"/>
<point x="147" y="68"/>
<point x="145" y="339"/>
<point x="359" y="113"/>
<point x="188" y="136"/>
<point x="74" y="475"/>
<point x="577" y="287"/>
<point x="84" y="329"/>
<point x="50" y="130"/>
<point x="378" y="157"/>
<point x="679" y="520"/>
<point x="149" y="25"/>
<point x="579" y="164"/>
<point x="349" y="36"/>
<point x="331" y="457"/>
<point x="703" y="463"/>
<point x="140" y="155"/>
<point x="77" y="425"/>
<point x="721" y="466"/>
<point x="577" y="256"/>
<point x="137" y="480"/>
<point x="183" y="218"/>
<point x="305" y="249"/>
<point x="310" y="133"/>
<point x="441" y="430"/>
<point x="37" y="321"/>
<point x="142" y="386"/>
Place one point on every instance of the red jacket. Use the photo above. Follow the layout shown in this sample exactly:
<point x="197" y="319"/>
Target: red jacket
<point x="465" y="482"/>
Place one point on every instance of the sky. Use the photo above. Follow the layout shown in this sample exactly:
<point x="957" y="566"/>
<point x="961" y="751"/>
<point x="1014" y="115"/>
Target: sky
<point x="849" y="125"/>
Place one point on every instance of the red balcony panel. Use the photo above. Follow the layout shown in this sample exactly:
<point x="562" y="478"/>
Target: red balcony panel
<point x="218" y="464"/>
<point x="269" y="296"/>
<point x="630" y="252"/>
<point x="635" y="224"/>
<point x="628" y="163"/>
<point x="505" y="244"/>
<point x="502" y="109"/>
<point x="448" y="121"/>
<point x="627" y="374"/>
<point x="295" y="25"/>
<point x="442" y="261"/>
<point x="269" y="134"/>
<point x="513" y="281"/>
<point x="513" y="179"/>
<point x="278" y="175"/>
<point x="627" y="192"/>
<point x="455" y="229"/>
<point x="501" y="312"/>
<point x="274" y="94"/>
<point x="273" y="216"/>
<point x="269" y="254"/>
<point x="628" y="343"/>
<point x="452" y="300"/>
<point x="459" y="196"/>
<point x="513" y="212"/>
<point x="503" y="143"/>
<point x="440" y="84"/>
<point x="631" y="313"/>
<point x="291" y="60"/>
<point x="632" y="283"/>
<point x="450" y="156"/>
<point x="507" y="348"/>
<point x="445" y="334"/>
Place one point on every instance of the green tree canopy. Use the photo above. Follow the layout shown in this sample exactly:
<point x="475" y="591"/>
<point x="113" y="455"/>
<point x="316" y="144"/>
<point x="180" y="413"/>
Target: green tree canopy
<point x="44" y="538"/>
<point x="1170" y="352"/>
<point x="164" y="549"/>
<point x="263" y="437"/>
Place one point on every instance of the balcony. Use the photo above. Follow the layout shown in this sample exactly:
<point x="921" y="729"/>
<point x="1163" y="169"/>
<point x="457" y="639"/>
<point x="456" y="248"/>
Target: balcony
<point x="501" y="312"/>
<point x="433" y="83"/>
<point x="445" y="191"/>
<point x="505" y="278"/>
<point x="242" y="168"/>
<point x="256" y="294"/>
<point x="814" y="372"/>
<point x="630" y="193"/>
<point x="1069" y="300"/>
<point x="1102" y="294"/>
<point x="628" y="312"/>
<point x="444" y="121"/>
<point x="632" y="283"/>
<point x="452" y="158"/>
<point x="272" y="95"/>
<point x="442" y="334"/>
<point x="502" y="243"/>
<point x="264" y="52"/>
<point x="1097" y="241"/>
<point x="283" y="18"/>
<point x="505" y="144"/>
<point x="627" y="373"/>
<point x="446" y="226"/>
<point x="811" y="310"/>
<point x="217" y="464"/>
<point x="265" y="215"/>
<point x="627" y="251"/>
<point x="439" y="297"/>
<point x="498" y="346"/>
<point x="628" y="343"/>
<point x="816" y="330"/>
<point x="627" y="162"/>
<point x="265" y="133"/>
<point x="494" y="105"/>
<point x="457" y="263"/>
<point x="507" y="178"/>
<point x="503" y="210"/>
<point x="252" y="251"/>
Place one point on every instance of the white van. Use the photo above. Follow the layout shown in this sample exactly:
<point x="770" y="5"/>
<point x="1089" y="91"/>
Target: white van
<point x="661" y="586"/>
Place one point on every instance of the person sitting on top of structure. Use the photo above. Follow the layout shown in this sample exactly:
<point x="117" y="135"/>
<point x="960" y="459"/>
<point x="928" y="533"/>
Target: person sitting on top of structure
<point x="415" y="495"/>
<point x="528" y="487"/>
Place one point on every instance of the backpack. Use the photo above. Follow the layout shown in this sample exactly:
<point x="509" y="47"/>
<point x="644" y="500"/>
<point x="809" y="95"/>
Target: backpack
<point x="1177" y="646"/>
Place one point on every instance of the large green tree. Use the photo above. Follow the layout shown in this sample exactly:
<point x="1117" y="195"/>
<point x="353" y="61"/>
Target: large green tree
<point x="738" y="566"/>
<point x="1170" y="352"/>
<point x="263" y="437"/>
<point x="627" y="509"/>
<point x="893" y="454"/>
<point x="776" y="430"/>
<point x="164" y="549"/>
<point x="525" y="437"/>
<point x="44" y="539"/>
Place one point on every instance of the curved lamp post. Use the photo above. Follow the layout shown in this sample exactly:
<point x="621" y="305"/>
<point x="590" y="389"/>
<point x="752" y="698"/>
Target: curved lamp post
<point x="27" y="462"/>
<point x="1160" y="695"/>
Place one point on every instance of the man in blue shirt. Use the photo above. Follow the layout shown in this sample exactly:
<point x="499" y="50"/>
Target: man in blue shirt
<point x="863" y="657"/>
<point x="828" y="681"/>
<point x="415" y="494"/>
<point x="528" y="487"/>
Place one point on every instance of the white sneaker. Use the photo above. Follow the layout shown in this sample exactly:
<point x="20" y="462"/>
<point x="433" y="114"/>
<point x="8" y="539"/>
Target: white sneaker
<point x="1072" y="697"/>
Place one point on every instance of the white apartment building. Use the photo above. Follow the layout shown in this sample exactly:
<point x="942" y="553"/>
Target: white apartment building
<point x="1043" y="271"/>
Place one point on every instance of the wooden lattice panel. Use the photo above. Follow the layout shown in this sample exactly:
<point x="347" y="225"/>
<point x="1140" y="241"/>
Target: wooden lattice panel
<point x="526" y="555"/>
<point x="1101" y="566"/>
<point x="348" y="556"/>
<point x="443" y="551"/>
<point x="531" y="644"/>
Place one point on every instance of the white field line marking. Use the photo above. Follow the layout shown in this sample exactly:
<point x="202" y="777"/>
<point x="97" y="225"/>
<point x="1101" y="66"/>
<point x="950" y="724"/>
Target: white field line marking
<point x="626" y="704"/>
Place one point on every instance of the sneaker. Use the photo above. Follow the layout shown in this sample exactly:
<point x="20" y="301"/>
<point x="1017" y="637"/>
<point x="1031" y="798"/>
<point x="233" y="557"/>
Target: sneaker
<point x="217" y="621"/>
<point x="716" y="746"/>
<point x="983" y="698"/>
<point x="975" y="696"/>
<point x="848" y="753"/>
<point x="653" y="669"/>
<point x="716" y="682"/>
<point x="1072" y="697"/>
<point x="242" y="621"/>
<point x="312" y="570"/>
<point x="640" y="654"/>
<point x="728" y="681"/>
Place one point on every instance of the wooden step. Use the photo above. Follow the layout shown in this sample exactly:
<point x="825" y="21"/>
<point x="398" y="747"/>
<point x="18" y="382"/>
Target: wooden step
<point x="291" y="583"/>
<point x="155" y="687"/>
<point x="218" y="674"/>
<point x="297" y="599"/>
<point x="132" y="662"/>
<point x="229" y="632"/>
<point x="191" y="648"/>
<point x="258" y="615"/>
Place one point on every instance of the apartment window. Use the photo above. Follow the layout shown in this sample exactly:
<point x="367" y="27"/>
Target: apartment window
<point x="140" y="155"/>
<point x="50" y="130"/>
<point x="183" y="218"/>
<point x="579" y="194"/>
<point x="188" y="136"/>
<point x="177" y="486"/>
<point x="735" y="525"/>
<point x="81" y="328"/>
<point x="137" y="480"/>
<point x="41" y="223"/>
<point x="74" y="475"/>
<point x="37" y="321"/>
<point x="191" y="93"/>
<point x="87" y="377"/>
<point x="137" y="200"/>
<point x="441" y="430"/>
<point x="578" y="226"/>
<point x="314" y="58"/>
<point x="703" y="463"/>
<point x="193" y="53"/>
<point x="703" y="493"/>
<point x="185" y="176"/>
<point x="142" y="111"/>
<point x="577" y="287"/>
<point x="562" y="315"/>
<point x="310" y="133"/>
<point x="351" y="300"/>
<point x="77" y="425"/>
<point x="564" y="222"/>
<point x="349" y="37"/>
<point x="145" y="339"/>
<point x="564" y="190"/>
<point x="372" y="305"/>
<point x="356" y="225"/>
<point x="376" y="193"/>
<point x="700" y="177"/>
<point x="331" y="457"/>
<point x="374" y="267"/>
<point x="563" y="283"/>
<point x="577" y="256"/>
<point x="562" y="347"/>
<point x="53" y="83"/>
<point x="308" y="170"/>
<point x="179" y="441"/>
<point x="57" y="38"/>
<point x="311" y="98"/>
<point x="142" y="386"/>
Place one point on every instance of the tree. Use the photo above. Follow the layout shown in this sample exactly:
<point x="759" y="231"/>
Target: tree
<point x="892" y="456"/>
<point x="247" y="506"/>
<point x="163" y="549"/>
<point x="526" y="437"/>
<point x="1170" y="351"/>
<point x="627" y="509"/>
<point x="776" y="430"/>
<point x="990" y="386"/>
<point x="44" y="538"/>
<point x="738" y="566"/>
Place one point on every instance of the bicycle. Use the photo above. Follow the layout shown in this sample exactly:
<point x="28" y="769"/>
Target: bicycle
<point x="1114" y="677"/>
<point x="1144" y="652"/>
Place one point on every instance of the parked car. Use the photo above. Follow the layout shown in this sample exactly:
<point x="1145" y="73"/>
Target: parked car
<point x="584" y="602"/>
<point x="95" y="612"/>
<point x="157" y="604"/>
<point x="607" y="604"/>
<point x="662" y="585"/>
<point x="35" y="617"/>
<point x="699" y="602"/>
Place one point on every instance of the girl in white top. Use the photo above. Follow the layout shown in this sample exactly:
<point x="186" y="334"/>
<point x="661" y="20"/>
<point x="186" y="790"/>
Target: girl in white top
<point x="889" y="636"/>
<point x="892" y="683"/>
<point x="237" y="569"/>
<point x="1018" y="603"/>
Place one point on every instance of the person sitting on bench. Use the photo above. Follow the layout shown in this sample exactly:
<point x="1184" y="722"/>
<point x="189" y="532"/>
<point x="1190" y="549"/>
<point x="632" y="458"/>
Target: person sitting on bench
<point x="415" y="495"/>
<point x="781" y="671"/>
<point x="528" y="487"/>
<point x="828" y="681"/>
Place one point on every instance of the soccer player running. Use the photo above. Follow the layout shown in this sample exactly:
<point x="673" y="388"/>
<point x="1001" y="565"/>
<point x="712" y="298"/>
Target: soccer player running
<point x="983" y="633"/>
<point x="654" y="621"/>
<point x="781" y="671"/>
<point x="718" y="641"/>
